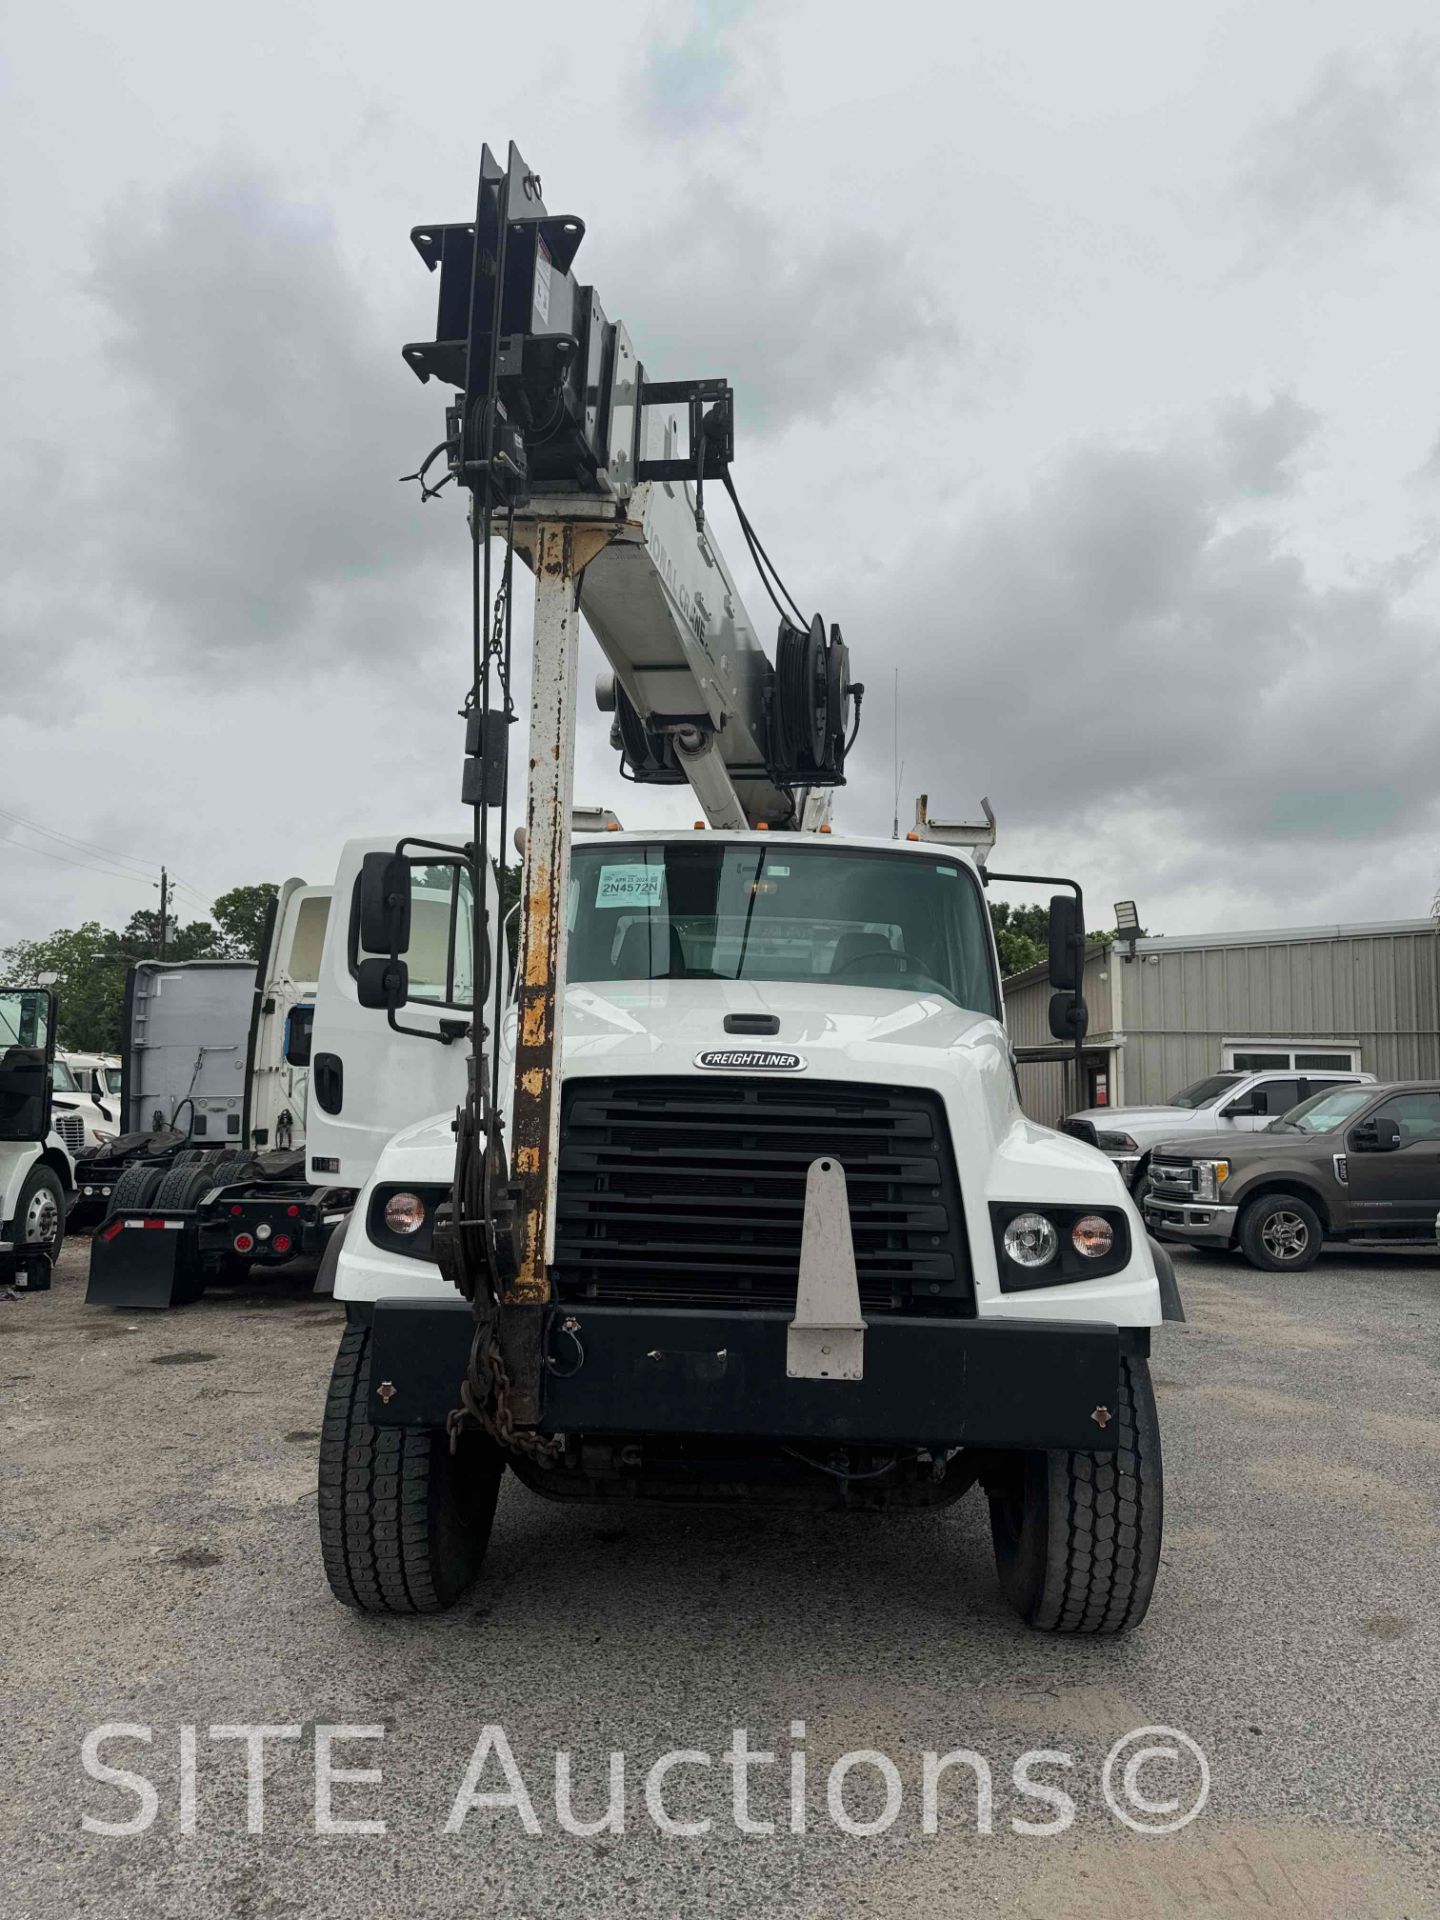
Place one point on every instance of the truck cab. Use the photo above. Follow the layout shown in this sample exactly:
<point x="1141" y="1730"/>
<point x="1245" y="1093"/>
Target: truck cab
<point x="781" y="1049"/>
<point x="77" y="1117"/>
<point x="37" y="1171"/>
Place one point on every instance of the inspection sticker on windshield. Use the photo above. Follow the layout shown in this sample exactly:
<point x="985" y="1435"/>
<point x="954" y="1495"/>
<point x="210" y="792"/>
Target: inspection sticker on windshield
<point x="632" y="885"/>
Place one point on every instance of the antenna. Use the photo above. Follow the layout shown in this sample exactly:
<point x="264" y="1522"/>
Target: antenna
<point x="895" y="759"/>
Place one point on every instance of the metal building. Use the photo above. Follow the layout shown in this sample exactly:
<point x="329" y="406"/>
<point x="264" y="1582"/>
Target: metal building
<point x="1312" y="997"/>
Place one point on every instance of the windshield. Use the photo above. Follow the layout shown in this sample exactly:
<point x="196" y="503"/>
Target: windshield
<point x="1322" y="1112"/>
<point x="1204" y="1091"/>
<point x="62" y="1080"/>
<point x="721" y="910"/>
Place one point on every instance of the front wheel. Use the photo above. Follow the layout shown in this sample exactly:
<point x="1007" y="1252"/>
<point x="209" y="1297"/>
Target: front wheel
<point x="1077" y="1535"/>
<point x="404" y="1522"/>
<point x="40" y="1215"/>
<point x="1280" y="1233"/>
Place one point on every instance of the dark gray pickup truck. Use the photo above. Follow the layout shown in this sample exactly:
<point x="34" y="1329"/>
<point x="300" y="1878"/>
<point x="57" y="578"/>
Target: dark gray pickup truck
<point x="1352" y="1163"/>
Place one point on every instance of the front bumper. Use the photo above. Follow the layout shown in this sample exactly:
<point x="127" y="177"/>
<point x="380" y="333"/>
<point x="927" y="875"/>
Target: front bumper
<point x="639" y="1370"/>
<point x="1199" y="1221"/>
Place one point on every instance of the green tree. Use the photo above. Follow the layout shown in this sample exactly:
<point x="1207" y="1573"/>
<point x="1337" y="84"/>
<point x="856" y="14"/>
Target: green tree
<point x="1022" y="935"/>
<point x="240" y="920"/>
<point x="89" y="966"/>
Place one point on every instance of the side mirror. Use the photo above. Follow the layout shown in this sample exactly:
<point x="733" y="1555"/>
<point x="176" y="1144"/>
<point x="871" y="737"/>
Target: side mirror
<point x="384" y="904"/>
<point x="1067" y="945"/>
<point x="1380" y="1134"/>
<point x="299" y="1029"/>
<point x="1081" y="1130"/>
<point x="382" y="984"/>
<point x="1252" y="1107"/>
<point x="1069" y="1017"/>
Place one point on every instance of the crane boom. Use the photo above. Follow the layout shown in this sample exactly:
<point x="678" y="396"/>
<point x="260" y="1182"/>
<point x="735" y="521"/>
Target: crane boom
<point x="557" y="418"/>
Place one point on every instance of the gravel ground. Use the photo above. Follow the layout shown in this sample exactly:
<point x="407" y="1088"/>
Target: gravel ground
<point x="158" y="1567"/>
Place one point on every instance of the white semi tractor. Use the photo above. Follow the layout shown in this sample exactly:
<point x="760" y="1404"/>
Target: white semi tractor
<point x="37" y="1169"/>
<point x="739" y="1201"/>
<point x="248" y="1137"/>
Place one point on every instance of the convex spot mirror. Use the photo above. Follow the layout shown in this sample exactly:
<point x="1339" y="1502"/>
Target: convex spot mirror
<point x="384" y="904"/>
<point x="381" y="984"/>
<point x="1381" y="1134"/>
<point x="1069" y="1016"/>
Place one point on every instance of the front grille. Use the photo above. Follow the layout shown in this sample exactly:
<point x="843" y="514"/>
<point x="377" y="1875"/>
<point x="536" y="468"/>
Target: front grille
<point x="691" y="1192"/>
<point x="71" y="1129"/>
<point x="1172" y="1176"/>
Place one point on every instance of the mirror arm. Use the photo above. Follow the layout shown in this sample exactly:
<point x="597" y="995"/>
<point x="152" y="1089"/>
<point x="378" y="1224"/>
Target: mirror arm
<point x="449" y="1032"/>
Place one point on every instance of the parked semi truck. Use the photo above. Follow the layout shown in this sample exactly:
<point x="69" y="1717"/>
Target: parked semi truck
<point x="208" y="1176"/>
<point x="739" y="1202"/>
<point x="37" y="1170"/>
<point x="316" y="1101"/>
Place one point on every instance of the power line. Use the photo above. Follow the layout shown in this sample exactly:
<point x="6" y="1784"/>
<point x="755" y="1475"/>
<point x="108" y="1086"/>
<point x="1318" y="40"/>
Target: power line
<point x="54" y="853"/>
<point x="148" y="867"/>
<point x="144" y="868"/>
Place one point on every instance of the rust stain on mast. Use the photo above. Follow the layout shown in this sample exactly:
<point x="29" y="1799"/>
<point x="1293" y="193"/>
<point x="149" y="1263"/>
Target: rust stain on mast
<point x="558" y="552"/>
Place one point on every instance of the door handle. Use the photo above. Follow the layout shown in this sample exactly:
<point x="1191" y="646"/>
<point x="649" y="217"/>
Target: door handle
<point x="327" y="1076"/>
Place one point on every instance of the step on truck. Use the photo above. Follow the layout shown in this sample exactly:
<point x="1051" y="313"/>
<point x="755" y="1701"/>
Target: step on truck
<point x="739" y="1203"/>
<point x="37" y="1172"/>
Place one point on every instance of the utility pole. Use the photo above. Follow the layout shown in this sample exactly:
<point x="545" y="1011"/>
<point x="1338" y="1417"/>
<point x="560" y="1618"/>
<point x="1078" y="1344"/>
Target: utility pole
<point x="164" y="907"/>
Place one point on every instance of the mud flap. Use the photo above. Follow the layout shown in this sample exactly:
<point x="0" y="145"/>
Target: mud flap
<point x="144" y="1260"/>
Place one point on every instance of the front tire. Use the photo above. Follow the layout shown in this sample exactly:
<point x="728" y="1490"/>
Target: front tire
<point x="1077" y="1535"/>
<point x="40" y="1216"/>
<point x="1281" y="1233"/>
<point x="404" y="1522"/>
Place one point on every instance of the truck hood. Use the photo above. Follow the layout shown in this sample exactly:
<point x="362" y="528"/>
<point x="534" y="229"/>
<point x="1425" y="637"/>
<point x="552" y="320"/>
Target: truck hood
<point x="621" y="1019"/>
<point x="1119" y="1119"/>
<point x="1233" y="1146"/>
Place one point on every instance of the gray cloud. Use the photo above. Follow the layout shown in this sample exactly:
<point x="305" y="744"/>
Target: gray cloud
<point x="1361" y="142"/>
<point x="807" y="322"/>
<point x="1164" y="674"/>
<point x="262" y="416"/>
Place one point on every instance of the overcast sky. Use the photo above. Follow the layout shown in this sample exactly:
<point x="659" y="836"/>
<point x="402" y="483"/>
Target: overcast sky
<point x="1085" y="366"/>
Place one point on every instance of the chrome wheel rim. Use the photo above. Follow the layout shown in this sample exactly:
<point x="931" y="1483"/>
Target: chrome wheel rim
<point x="42" y="1220"/>
<point x="1285" y="1235"/>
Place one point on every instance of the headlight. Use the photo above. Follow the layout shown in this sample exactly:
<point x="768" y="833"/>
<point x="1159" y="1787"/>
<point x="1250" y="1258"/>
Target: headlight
<point x="404" y="1213"/>
<point x="1031" y="1240"/>
<point x="1210" y="1176"/>
<point x="1092" y="1236"/>
<point x="1113" y="1142"/>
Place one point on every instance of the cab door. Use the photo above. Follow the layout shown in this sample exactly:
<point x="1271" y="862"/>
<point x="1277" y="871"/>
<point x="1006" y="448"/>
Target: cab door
<point x="368" y="1079"/>
<point x="27" y="1048"/>
<point x="1396" y="1187"/>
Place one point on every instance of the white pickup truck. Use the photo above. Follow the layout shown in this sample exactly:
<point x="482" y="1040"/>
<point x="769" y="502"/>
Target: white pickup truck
<point x="1221" y="1101"/>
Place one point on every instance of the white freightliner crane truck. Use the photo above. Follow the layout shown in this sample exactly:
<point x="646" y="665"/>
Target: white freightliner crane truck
<point x="740" y="1202"/>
